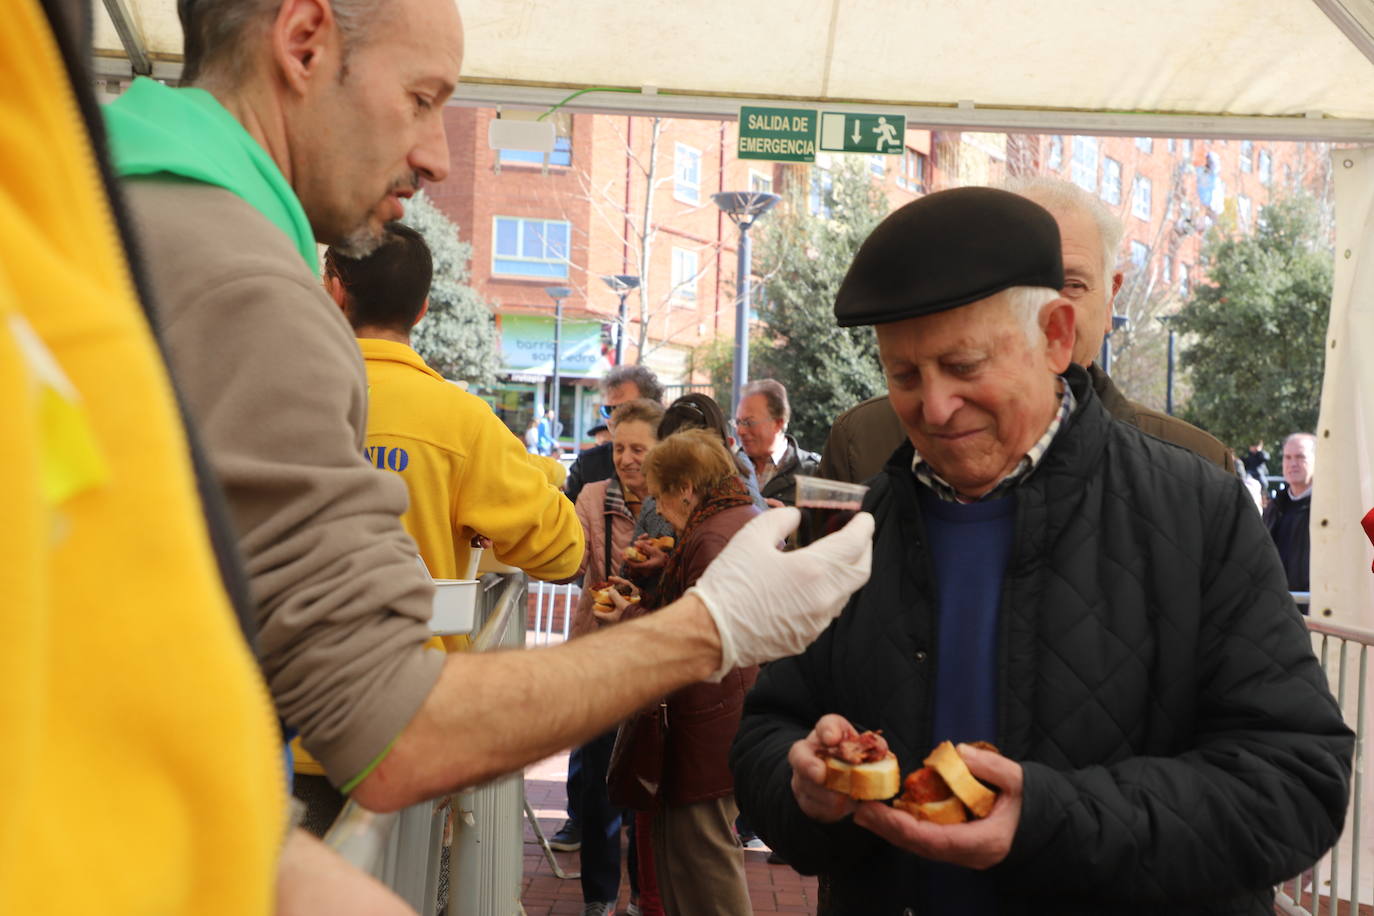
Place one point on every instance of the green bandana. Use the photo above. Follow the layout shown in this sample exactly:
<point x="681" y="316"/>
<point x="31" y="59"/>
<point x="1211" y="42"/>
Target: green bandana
<point x="156" y="130"/>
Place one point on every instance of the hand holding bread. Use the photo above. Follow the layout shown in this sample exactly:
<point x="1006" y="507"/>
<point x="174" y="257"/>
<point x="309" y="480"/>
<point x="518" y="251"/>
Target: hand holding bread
<point x="649" y="553"/>
<point x="979" y="842"/>
<point x="611" y="598"/>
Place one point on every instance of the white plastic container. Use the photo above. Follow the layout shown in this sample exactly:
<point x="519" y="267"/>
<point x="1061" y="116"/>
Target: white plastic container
<point x="455" y="606"/>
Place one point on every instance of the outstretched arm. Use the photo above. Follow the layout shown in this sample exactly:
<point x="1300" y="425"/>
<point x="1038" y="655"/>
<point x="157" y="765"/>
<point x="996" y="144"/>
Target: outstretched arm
<point x="493" y="713"/>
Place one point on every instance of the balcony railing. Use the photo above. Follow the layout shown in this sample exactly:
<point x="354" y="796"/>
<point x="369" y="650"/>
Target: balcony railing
<point x="1341" y="882"/>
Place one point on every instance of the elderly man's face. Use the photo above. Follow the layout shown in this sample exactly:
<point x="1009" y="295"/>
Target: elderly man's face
<point x="1299" y="464"/>
<point x="366" y="132"/>
<point x="757" y="429"/>
<point x="972" y="393"/>
<point x="1086" y="283"/>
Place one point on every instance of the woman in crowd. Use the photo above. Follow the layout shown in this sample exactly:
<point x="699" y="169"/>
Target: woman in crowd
<point x="698" y="861"/>
<point x="607" y="510"/>
<point x="691" y="411"/>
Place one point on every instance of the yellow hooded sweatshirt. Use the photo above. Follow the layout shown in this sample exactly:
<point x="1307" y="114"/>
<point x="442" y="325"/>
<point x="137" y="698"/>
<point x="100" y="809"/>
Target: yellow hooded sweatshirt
<point x="141" y="769"/>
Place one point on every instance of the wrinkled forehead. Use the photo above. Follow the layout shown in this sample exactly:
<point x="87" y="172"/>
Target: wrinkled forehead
<point x="980" y="325"/>
<point x="755" y="406"/>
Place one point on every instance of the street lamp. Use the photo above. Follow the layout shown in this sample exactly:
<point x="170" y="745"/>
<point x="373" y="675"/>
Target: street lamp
<point x="1168" y="322"/>
<point x="622" y="284"/>
<point x="1118" y="322"/>
<point x="743" y="208"/>
<point x="558" y="294"/>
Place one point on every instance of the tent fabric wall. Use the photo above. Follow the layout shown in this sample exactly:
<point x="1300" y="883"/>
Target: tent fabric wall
<point x="1343" y="489"/>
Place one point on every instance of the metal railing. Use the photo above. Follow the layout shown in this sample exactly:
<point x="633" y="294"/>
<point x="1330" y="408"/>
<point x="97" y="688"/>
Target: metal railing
<point x="1344" y="875"/>
<point x="548" y="599"/>
<point x="404" y="849"/>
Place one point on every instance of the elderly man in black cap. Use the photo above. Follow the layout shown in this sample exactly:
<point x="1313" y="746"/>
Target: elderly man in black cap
<point x="1098" y="603"/>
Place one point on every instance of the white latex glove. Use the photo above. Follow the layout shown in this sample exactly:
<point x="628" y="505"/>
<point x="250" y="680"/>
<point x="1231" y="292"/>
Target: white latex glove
<point x="768" y="604"/>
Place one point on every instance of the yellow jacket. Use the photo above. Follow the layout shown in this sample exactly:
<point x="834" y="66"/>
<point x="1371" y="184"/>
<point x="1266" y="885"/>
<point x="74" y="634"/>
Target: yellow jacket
<point x="466" y="472"/>
<point x="138" y="735"/>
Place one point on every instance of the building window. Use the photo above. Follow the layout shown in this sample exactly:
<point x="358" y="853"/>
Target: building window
<point x="687" y="174"/>
<point x="1247" y="155"/>
<point x="1188" y="150"/>
<point x="822" y="196"/>
<point x="530" y="247"/>
<point x="1243" y="206"/>
<point x="1145" y="144"/>
<point x="561" y="155"/>
<point x="877" y="165"/>
<point x="1140" y="199"/>
<point x="685" y="269"/>
<point x="913" y="174"/>
<point x="759" y="183"/>
<point x="1054" y="159"/>
<point x="1084" y="169"/>
<point x="1140" y="254"/>
<point x="1111" y="180"/>
<point x="1183" y="280"/>
<point x="1266" y="167"/>
<point x="1287" y="176"/>
<point x="1172" y="144"/>
<point x="1168" y="267"/>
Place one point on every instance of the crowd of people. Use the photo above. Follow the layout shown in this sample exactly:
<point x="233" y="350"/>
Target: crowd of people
<point x="1057" y="570"/>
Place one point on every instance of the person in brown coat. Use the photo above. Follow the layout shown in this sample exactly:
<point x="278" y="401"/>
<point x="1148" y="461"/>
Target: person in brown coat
<point x="698" y="860"/>
<point x="865" y="436"/>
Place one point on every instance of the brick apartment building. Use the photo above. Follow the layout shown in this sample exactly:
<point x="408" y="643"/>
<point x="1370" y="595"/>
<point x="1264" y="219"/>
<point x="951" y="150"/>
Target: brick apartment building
<point x="581" y="217"/>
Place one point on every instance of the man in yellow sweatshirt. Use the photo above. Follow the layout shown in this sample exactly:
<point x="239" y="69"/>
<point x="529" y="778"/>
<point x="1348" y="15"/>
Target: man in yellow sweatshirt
<point x="466" y="472"/>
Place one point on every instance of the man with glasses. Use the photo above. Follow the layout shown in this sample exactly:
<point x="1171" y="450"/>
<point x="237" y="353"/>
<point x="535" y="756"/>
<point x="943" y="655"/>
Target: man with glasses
<point x="761" y="426"/>
<point x="621" y="384"/>
<point x="863" y="437"/>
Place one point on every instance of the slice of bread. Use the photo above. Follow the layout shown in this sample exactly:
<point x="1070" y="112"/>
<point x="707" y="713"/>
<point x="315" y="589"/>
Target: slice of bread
<point x="946" y="761"/>
<point x="949" y="811"/>
<point x="874" y="781"/>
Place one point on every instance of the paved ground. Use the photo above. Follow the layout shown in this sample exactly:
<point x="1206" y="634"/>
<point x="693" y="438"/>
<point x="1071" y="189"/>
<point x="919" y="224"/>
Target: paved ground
<point x="774" y="889"/>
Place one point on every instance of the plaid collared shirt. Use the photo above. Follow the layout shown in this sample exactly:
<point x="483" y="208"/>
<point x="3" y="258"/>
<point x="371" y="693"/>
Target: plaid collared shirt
<point x="941" y="488"/>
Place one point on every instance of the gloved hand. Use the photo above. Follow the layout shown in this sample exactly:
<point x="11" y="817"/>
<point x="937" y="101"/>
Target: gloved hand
<point x="768" y="604"/>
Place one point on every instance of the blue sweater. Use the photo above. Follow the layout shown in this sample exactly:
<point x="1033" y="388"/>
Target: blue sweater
<point x="969" y="548"/>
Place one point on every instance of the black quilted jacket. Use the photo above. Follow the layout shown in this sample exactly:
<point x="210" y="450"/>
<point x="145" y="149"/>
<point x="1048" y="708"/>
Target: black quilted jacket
<point x="1180" y="748"/>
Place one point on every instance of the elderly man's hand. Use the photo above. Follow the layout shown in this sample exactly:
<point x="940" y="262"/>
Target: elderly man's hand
<point x="808" y="771"/>
<point x="975" y="844"/>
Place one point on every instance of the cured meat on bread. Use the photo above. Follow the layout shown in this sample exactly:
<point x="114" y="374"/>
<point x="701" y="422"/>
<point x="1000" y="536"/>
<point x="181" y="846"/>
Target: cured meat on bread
<point x="634" y="555"/>
<point x="944" y="791"/>
<point x="601" y="596"/>
<point x="863" y="768"/>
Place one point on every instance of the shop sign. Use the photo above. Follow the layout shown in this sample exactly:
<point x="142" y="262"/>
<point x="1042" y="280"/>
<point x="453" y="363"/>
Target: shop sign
<point x="527" y="347"/>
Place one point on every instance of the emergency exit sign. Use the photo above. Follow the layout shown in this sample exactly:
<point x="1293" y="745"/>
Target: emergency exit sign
<point x="851" y="132"/>
<point x="777" y="134"/>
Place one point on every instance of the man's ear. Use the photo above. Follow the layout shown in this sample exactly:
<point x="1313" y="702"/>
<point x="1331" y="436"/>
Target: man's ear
<point x="1057" y="321"/>
<point x="424" y="310"/>
<point x="305" y="41"/>
<point x="335" y="288"/>
<point x="1117" y="278"/>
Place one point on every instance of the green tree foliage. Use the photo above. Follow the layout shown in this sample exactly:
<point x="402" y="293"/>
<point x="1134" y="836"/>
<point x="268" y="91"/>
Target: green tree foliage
<point x="801" y="259"/>
<point x="1255" y="333"/>
<point x="457" y="337"/>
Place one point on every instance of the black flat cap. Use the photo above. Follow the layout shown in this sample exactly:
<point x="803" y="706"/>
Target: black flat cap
<point x="948" y="249"/>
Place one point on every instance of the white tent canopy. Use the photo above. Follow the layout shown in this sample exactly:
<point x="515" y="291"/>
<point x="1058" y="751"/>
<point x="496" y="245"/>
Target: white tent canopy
<point x="1282" y="69"/>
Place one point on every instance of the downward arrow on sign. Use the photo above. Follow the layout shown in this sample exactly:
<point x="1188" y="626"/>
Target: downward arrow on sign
<point x="857" y="135"/>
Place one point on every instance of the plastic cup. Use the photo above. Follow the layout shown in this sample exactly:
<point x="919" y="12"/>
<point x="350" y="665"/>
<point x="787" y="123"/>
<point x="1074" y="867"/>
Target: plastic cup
<point x="819" y="493"/>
